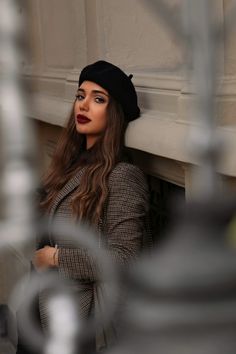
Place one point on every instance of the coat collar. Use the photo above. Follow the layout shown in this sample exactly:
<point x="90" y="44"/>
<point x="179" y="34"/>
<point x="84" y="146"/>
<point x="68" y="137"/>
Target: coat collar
<point x="73" y="183"/>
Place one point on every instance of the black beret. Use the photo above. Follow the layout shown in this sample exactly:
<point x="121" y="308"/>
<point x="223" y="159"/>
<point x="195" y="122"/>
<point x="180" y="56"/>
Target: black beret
<point x="116" y="82"/>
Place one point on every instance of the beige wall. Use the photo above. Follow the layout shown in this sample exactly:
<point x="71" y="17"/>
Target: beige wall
<point x="230" y="51"/>
<point x="65" y="35"/>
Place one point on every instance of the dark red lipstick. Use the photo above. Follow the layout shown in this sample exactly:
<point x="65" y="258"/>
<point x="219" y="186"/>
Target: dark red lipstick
<point x="82" y="119"/>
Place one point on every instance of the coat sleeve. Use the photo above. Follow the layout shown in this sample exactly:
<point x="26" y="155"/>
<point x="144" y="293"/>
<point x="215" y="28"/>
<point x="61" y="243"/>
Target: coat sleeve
<point x="123" y="224"/>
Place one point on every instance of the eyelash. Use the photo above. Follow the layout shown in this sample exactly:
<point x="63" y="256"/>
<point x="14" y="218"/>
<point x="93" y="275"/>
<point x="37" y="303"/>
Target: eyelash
<point x="97" y="99"/>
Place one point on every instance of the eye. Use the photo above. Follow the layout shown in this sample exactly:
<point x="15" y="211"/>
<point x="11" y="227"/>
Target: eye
<point x="100" y="99"/>
<point x="79" y="97"/>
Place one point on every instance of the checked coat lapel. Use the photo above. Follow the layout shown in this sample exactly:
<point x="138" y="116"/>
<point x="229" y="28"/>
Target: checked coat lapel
<point x="69" y="187"/>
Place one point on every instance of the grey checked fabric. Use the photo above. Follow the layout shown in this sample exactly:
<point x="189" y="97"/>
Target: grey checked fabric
<point x="124" y="228"/>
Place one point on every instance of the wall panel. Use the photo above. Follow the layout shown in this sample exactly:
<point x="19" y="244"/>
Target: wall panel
<point x="131" y="37"/>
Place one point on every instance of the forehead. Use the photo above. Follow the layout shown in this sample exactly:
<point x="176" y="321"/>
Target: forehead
<point x="92" y="86"/>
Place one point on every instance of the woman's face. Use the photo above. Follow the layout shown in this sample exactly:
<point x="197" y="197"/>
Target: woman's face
<point x="91" y="111"/>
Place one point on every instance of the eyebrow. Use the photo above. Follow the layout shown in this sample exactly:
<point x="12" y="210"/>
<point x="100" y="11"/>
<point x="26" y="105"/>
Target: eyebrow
<point x="94" y="91"/>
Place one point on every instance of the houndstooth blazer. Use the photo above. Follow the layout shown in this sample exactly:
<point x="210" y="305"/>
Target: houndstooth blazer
<point x="124" y="227"/>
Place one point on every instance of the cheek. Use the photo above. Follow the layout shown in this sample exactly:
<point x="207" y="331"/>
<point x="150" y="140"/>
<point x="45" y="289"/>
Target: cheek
<point x="101" y="118"/>
<point x="105" y="116"/>
<point x="103" y="121"/>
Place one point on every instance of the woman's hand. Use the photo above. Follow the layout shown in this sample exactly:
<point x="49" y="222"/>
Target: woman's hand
<point x="46" y="257"/>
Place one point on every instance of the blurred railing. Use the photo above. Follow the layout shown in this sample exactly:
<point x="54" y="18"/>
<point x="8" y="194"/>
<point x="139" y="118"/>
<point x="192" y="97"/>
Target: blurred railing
<point x="181" y="299"/>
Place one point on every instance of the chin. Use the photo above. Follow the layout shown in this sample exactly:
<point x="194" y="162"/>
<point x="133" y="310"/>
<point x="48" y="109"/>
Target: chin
<point x="82" y="130"/>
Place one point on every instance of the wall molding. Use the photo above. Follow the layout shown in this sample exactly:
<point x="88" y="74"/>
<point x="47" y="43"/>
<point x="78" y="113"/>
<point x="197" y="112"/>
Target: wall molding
<point x="158" y="127"/>
<point x="142" y="79"/>
<point x="50" y="109"/>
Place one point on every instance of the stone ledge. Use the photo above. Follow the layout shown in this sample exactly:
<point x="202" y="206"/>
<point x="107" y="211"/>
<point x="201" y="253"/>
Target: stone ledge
<point x="158" y="133"/>
<point x="145" y="79"/>
<point x="168" y="137"/>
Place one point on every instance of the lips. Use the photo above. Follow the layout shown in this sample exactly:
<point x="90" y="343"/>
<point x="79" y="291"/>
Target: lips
<point x="82" y="119"/>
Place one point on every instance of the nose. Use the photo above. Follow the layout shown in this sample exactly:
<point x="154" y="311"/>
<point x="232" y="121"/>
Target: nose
<point x="84" y="104"/>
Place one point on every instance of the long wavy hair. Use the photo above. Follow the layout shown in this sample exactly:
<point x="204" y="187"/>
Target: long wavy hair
<point x="88" y="200"/>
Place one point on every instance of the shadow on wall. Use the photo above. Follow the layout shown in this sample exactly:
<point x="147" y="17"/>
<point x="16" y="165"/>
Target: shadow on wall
<point x="163" y="195"/>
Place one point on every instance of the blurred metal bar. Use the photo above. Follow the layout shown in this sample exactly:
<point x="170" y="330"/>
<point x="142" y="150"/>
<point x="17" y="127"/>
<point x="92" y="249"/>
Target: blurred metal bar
<point x="203" y="142"/>
<point x="63" y="326"/>
<point x="17" y="139"/>
<point x="17" y="174"/>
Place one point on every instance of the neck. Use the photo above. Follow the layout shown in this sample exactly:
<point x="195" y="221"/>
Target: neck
<point x="90" y="141"/>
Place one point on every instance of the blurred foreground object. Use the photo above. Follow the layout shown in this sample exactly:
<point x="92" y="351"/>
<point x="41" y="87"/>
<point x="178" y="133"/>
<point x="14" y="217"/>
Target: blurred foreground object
<point x="17" y="174"/>
<point x="183" y="298"/>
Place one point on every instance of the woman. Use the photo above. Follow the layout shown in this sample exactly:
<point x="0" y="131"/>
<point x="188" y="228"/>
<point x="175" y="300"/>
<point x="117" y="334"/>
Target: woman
<point x="89" y="180"/>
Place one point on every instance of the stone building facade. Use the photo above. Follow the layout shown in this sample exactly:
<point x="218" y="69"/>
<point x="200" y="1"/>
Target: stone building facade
<point x="67" y="35"/>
